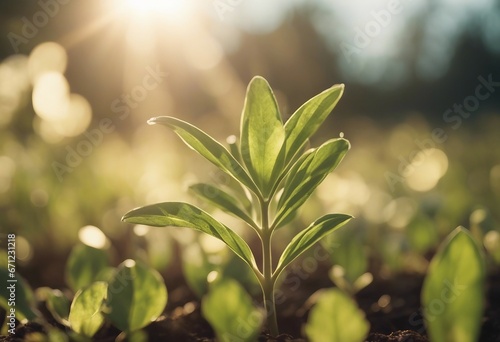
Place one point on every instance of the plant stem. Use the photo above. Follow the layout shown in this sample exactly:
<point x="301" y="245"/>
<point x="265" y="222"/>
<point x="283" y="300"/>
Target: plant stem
<point x="267" y="270"/>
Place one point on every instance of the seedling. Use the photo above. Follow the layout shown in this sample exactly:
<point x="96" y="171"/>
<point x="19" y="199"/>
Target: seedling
<point x="453" y="290"/>
<point x="275" y="178"/>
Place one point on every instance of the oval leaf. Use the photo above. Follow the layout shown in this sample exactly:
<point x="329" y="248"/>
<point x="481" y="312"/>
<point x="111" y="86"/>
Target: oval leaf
<point x="307" y="173"/>
<point x="180" y="214"/>
<point x="229" y="310"/>
<point x="262" y="135"/>
<point x="308" y="237"/>
<point x="453" y="290"/>
<point x="85" y="316"/>
<point x="58" y="305"/>
<point x="84" y="265"/>
<point x="136" y="296"/>
<point x="308" y="118"/>
<point x="221" y="200"/>
<point x="336" y="318"/>
<point x="208" y="147"/>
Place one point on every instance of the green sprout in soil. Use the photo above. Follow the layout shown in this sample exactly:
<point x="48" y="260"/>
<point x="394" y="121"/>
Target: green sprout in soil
<point x="275" y="175"/>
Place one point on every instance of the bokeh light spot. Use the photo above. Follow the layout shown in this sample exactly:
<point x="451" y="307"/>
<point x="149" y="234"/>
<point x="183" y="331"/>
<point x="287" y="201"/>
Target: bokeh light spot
<point x="129" y="263"/>
<point x="24" y="251"/>
<point x="402" y="211"/>
<point x="426" y="168"/>
<point x="93" y="237"/>
<point x="39" y="198"/>
<point x="47" y="57"/>
<point x="51" y="96"/>
<point x="141" y="230"/>
<point x="495" y="178"/>
<point x="211" y="244"/>
<point x="77" y="118"/>
<point x="45" y="129"/>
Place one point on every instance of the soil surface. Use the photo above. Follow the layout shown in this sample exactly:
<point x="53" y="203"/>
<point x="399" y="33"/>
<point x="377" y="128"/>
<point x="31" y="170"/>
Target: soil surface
<point x="392" y="307"/>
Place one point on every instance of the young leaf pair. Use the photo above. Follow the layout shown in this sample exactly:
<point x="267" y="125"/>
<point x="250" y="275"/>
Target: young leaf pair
<point x="269" y="158"/>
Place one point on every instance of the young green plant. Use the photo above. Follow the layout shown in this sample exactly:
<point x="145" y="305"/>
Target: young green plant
<point x="275" y="178"/>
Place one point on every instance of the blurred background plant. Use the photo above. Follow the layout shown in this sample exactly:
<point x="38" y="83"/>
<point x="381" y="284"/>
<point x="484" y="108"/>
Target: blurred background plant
<point x="78" y="80"/>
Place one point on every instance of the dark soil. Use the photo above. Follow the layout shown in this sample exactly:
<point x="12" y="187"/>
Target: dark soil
<point x="391" y="306"/>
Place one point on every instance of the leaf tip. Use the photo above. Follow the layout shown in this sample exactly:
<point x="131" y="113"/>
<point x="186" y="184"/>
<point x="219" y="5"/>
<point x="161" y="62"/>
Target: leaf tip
<point x="152" y="121"/>
<point x="348" y="143"/>
<point x="126" y="217"/>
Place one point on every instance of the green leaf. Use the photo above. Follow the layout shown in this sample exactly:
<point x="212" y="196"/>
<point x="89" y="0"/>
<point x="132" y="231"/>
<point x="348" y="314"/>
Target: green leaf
<point x="234" y="268"/>
<point x="308" y="118"/>
<point x="85" y="316"/>
<point x="209" y="148"/>
<point x="307" y="173"/>
<point x="262" y="135"/>
<point x="308" y="237"/>
<point x="58" y="305"/>
<point x="453" y="290"/>
<point x="195" y="268"/>
<point x="83" y="265"/>
<point x="349" y="253"/>
<point x="17" y="294"/>
<point x="136" y="296"/>
<point x="336" y="318"/>
<point x="221" y="200"/>
<point x="180" y="214"/>
<point x="229" y="310"/>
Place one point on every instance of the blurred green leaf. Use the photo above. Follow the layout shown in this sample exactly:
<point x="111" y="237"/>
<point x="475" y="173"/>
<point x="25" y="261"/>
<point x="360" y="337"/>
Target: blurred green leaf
<point x="85" y="316"/>
<point x="196" y="267"/>
<point x="22" y="298"/>
<point x="350" y="258"/>
<point x="339" y="276"/>
<point x="58" y="305"/>
<point x="351" y="255"/>
<point x="336" y="318"/>
<point x="262" y="135"/>
<point x="83" y="266"/>
<point x="309" y="236"/>
<point x="307" y="173"/>
<point x="159" y="249"/>
<point x="136" y="296"/>
<point x="453" y="290"/>
<point x="180" y="214"/>
<point x="422" y="234"/>
<point x="229" y="310"/>
<point x="234" y="268"/>
<point x="221" y="200"/>
<point x="209" y="148"/>
<point x="308" y="118"/>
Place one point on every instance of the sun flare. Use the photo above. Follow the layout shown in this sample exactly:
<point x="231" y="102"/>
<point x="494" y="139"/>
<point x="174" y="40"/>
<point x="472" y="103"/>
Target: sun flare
<point x="174" y="9"/>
